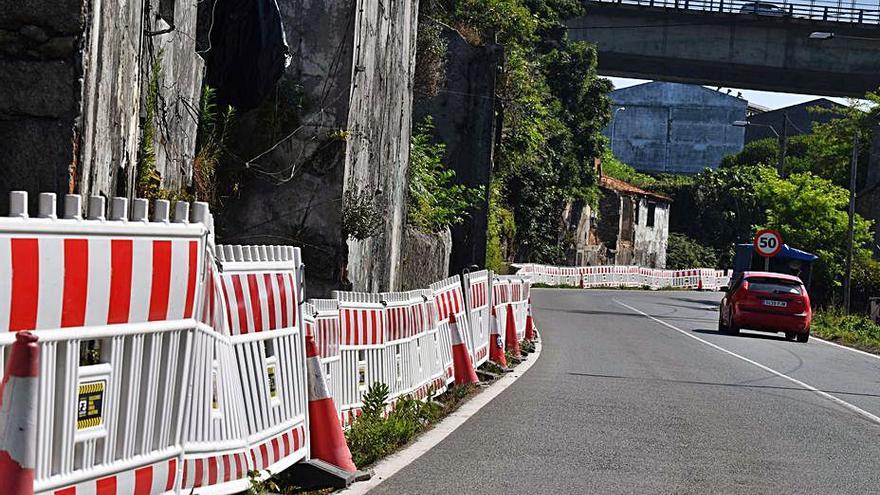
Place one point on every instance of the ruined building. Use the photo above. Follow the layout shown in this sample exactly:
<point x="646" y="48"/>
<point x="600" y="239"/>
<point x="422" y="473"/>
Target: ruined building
<point x="630" y="227"/>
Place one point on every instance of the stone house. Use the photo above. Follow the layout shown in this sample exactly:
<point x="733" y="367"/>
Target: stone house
<point x="630" y="227"/>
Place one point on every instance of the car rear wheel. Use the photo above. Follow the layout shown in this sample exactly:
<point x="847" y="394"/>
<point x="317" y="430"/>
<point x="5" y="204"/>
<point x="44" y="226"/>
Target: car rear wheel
<point x="722" y="328"/>
<point x="731" y="328"/>
<point x="790" y="335"/>
<point x="803" y="337"/>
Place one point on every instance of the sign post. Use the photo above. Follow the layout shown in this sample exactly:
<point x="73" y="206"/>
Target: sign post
<point x="767" y="243"/>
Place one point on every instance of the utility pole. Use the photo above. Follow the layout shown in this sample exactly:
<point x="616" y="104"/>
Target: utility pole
<point x="783" y="145"/>
<point x="847" y="280"/>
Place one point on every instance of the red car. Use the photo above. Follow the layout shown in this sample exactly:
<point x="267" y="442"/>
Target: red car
<point x="766" y="301"/>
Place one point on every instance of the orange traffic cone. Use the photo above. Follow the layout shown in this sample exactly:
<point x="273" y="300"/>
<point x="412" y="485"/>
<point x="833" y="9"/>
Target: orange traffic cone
<point x="496" y="345"/>
<point x="18" y="416"/>
<point x="461" y="359"/>
<point x="512" y="340"/>
<point x="530" y="325"/>
<point x="325" y="432"/>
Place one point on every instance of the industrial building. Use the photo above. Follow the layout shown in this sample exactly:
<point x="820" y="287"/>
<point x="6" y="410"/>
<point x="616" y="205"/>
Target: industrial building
<point x="674" y="128"/>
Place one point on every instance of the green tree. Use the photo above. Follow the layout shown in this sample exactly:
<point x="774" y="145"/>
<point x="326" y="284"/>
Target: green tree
<point x="682" y="253"/>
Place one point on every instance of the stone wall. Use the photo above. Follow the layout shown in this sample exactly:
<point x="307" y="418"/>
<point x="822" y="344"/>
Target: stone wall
<point x="72" y="81"/>
<point x="352" y="64"/>
<point x="425" y="258"/>
<point x="464" y="120"/>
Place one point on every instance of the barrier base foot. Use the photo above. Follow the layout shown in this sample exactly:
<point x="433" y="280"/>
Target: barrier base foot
<point x="315" y="474"/>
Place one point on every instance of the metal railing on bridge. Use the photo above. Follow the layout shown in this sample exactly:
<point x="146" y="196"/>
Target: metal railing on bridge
<point x="843" y="12"/>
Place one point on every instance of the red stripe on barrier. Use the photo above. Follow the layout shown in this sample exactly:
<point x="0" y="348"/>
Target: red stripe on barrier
<point x="256" y="307"/>
<point x="172" y="475"/>
<point x="106" y="486"/>
<point x="239" y="302"/>
<point x="227" y="468"/>
<point x="264" y="453"/>
<point x="276" y="449"/>
<point x="282" y="288"/>
<point x="76" y="280"/>
<point x="212" y="471"/>
<point x="296" y="439"/>
<point x="228" y="303"/>
<point x="143" y="481"/>
<point x="293" y="300"/>
<point x="161" y="285"/>
<point x="238" y="468"/>
<point x="25" y="284"/>
<point x="200" y="473"/>
<point x="191" y="279"/>
<point x="270" y="294"/>
<point x="66" y="491"/>
<point x="286" y="441"/>
<point x="362" y="331"/>
<point x="375" y="333"/>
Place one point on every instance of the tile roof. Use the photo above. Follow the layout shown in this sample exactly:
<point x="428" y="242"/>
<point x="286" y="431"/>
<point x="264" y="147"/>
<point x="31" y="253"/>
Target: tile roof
<point x="626" y="187"/>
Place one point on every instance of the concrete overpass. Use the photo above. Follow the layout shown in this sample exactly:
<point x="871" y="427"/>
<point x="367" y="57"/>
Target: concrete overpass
<point x="713" y="43"/>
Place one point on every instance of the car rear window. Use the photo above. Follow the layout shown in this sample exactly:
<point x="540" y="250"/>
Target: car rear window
<point x="774" y="286"/>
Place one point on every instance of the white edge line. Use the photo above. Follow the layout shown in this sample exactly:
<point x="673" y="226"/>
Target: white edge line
<point x="861" y="412"/>
<point x="875" y="356"/>
<point x="425" y="442"/>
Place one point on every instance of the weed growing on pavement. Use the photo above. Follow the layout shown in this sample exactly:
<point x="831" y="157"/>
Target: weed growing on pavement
<point x="375" y="434"/>
<point x="491" y="367"/>
<point x="261" y="487"/>
<point x="527" y="346"/>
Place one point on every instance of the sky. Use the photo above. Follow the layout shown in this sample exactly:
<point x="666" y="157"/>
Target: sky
<point x="763" y="98"/>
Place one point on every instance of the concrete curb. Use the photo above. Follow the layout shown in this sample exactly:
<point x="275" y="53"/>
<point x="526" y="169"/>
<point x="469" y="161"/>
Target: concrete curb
<point x="397" y="461"/>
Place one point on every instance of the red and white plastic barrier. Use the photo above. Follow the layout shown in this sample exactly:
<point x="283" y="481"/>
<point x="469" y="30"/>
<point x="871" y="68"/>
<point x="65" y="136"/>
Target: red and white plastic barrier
<point x="478" y="300"/>
<point x="625" y="276"/>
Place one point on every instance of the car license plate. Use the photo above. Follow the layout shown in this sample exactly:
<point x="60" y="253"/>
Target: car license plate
<point x="777" y="304"/>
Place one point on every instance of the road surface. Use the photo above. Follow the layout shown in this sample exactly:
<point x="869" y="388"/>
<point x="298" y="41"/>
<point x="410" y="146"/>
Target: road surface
<point x="626" y="402"/>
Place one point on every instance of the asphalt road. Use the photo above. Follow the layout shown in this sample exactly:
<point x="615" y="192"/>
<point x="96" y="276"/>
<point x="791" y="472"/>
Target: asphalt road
<point x="622" y="403"/>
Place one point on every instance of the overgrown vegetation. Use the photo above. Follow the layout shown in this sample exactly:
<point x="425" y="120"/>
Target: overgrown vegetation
<point x="552" y="105"/>
<point x="435" y="201"/>
<point x="376" y="434"/>
<point x="430" y="70"/>
<point x="360" y="216"/>
<point x="682" y="253"/>
<point x="214" y="128"/>
<point x="148" y="179"/>
<point x="857" y="331"/>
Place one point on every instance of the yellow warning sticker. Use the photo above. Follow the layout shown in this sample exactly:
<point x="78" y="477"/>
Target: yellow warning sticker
<point x="90" y="407"/>
<point x="273" y="387"/>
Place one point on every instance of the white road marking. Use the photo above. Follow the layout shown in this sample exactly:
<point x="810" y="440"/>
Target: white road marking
<point x="837" y="400"/>
<point x="875" y="356"/>
<point x="395" y="462"/>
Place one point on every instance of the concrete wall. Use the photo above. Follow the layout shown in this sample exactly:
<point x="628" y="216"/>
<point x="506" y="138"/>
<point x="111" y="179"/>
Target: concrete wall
<point x="425" y="258"/>
<point x="72" y="75"/>
<point x="353" y="64"/>
<point x="649" y="246"/>
<point x="671" y="127"/>
<point x="731" y="50"/>
<point x="464" y="120"/>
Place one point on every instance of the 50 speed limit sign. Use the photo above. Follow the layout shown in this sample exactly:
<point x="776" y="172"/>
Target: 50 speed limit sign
<point x="768" y="242"/>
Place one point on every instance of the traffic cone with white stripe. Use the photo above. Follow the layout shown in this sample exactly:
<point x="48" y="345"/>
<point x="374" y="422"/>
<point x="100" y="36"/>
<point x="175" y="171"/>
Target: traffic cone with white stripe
<point x="496" y="345"/>
<point x="530" y="324"/>
<point x="461" y="359"/>
<point x="18" y="420"/>
<point x="325" y="433"/>
<point x="512" y="340"/>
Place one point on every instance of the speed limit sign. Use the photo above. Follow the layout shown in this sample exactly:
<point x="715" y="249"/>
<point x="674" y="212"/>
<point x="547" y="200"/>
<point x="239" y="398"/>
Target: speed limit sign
<point x="768" y="243"/>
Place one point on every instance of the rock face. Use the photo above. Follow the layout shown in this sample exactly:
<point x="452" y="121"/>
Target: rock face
<point x="353" y="66"/>
<point x="425" y="258"/>
<point x="464" y="119"/>
<point x="72" y="79"/>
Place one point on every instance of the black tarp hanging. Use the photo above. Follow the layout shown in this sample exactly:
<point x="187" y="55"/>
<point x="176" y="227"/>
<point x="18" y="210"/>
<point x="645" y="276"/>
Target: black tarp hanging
<point x="247" y="51"/>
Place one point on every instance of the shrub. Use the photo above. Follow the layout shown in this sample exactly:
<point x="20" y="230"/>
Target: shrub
<point x="682" y="253"/>
<point x="853" y="330"/>
<point x="435" y="202"/>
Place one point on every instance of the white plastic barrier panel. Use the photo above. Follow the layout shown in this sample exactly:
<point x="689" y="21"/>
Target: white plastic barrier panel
<point x="448" y="300"/>
<point x="112" y="299"/>
<point x="478" y="296"/>
<point x="626" y="276"/>
<point x="262" y="290"/>
<point x="321" y="320"/>
<point x="362" y="347"/>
